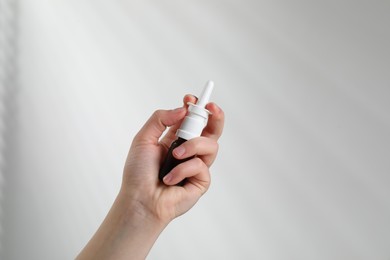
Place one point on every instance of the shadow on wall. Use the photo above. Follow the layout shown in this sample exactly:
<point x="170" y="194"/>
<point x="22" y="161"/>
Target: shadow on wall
<point x="8" y="89"/>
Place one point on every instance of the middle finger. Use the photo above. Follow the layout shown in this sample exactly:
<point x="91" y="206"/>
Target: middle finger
<point x="205" y="148"/>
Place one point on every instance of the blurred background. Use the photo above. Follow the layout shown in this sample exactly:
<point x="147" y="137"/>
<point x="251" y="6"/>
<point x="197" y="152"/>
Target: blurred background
<point x="304" y="165"/>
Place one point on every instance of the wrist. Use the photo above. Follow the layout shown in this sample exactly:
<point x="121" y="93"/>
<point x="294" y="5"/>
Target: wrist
<point x="135" y="213"/>
<point x="128" y="231"/>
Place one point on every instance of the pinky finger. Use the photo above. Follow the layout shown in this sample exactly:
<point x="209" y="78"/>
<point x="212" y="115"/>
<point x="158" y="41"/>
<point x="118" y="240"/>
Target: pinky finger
<point x="196" y="172"/>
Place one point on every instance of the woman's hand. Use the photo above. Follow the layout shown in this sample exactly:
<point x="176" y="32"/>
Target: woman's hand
<point x="140" y="180"/>
<point x="144" y="205"/>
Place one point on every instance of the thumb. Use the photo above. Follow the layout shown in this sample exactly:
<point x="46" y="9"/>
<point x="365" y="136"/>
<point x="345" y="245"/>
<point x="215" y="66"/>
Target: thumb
<point x="157" y="123"/>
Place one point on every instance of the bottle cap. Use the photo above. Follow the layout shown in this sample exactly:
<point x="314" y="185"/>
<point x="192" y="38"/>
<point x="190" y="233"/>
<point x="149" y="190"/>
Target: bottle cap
<point x="197" y="116"/>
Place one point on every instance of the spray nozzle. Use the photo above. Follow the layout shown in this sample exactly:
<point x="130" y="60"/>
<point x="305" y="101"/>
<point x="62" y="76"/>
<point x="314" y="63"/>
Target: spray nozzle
<point x="197" y="116"/>
<point x="206" y="93"/>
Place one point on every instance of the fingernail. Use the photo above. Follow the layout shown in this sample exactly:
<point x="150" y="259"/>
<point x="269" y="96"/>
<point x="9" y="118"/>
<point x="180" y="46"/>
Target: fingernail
<point x="167" y="178"/>
<point x="179" y="151"/>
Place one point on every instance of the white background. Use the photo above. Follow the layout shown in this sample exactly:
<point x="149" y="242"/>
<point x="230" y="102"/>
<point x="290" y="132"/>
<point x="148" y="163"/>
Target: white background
<point x="303" y="170"/>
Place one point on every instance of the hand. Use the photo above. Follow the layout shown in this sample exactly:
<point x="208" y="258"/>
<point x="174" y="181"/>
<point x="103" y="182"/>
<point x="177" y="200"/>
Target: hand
<point x="140" y="180"/>
<point x="144" y="205"/>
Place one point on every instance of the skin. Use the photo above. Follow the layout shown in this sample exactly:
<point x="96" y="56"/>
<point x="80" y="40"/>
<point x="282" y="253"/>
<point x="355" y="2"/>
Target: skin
<point x="144" y="205"/>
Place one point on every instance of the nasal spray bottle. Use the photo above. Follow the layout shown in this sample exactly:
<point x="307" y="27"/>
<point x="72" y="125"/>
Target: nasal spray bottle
<point x="191" y="127"/>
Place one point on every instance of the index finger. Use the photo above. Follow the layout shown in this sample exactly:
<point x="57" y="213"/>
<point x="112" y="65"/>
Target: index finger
<point x="215" y="123"/>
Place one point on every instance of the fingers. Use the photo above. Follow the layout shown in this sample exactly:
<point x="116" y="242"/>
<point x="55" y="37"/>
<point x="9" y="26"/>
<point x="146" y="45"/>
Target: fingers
<point x="170" y="135"/>
<point x="215" y="123"/>
<point x="214" y="126"/>
<point x="189" y="98"/>
<point x="203" y="147"/>
<point x="196" y="172"/>
<point x="157" y="123"/>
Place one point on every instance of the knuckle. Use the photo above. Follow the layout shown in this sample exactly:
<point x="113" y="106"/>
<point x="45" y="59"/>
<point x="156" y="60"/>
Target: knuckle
<point x="222" y="113"/>
<point x="157" y="113"/>
<point x="192" y="146"/>
<point x="197" y="145"/>
<point x="199" y="163"/>
<point x="216" y="145"/>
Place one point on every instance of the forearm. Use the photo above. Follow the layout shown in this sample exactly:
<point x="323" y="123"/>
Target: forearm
<point x="128" y="232"/>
